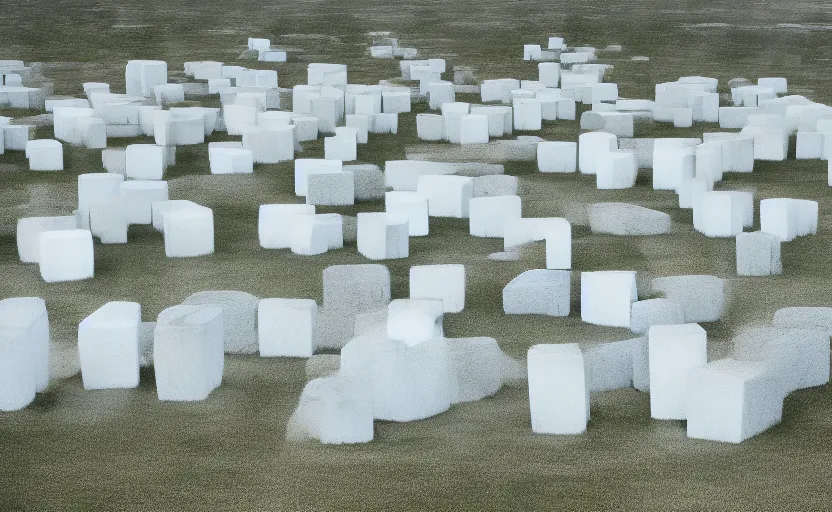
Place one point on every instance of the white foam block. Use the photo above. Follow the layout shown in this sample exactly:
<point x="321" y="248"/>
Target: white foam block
<point x="674" y="350"/>
<point x="606" y="297"/>
<point x="558" y="391"/>
<point x="286" y="327"/>
<point x="538" y="292"/>
<point x="108" y="346"/>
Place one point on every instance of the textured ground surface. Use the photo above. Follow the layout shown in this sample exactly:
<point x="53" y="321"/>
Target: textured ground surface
<point x="113" y="450"/>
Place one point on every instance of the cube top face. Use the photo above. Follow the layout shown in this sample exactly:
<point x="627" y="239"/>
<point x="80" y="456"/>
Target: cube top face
<point x="565" y="350"/>
<point x="93" y="179"/>
<point x="191" y="213"/>
<point x="678" y="332"/>
<point x="287" y="209"/>
<point x="20" y="311"/>
<point x="734" y="370"/>
<point x="114" y="314"/>
<point x="539" y="276"/>
<point x="231" y="298"/>
<point x="432" y="307"/>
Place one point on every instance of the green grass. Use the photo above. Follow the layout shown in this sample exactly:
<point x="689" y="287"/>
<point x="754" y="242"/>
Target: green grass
<point x="113" y="450"/>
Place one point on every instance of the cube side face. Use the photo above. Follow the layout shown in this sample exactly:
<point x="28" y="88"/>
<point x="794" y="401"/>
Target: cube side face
<point x="182" y="364"/>
<point x="673" y="352"/>
<point x="715" y="406"/>
<point x="446" y="282"/>
<point x="18" y="381"/>
<point x="109" y="356"/>
<point x="66" y="259"/>
<point x="286" y="328"/>
<point x="558" y="396"/>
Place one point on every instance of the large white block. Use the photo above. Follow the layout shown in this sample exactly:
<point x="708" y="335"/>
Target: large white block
<point x="606" y="297"/>
<point x="331" y="189"/>
<point x="731" y="401"/>
<point x="674" y="351"/>
<point x="439" y="93"/>
<point x="189" y="232"/>
<point x="444" y="282"/>
<point x="188" y="356"/>
<point x="66" y="255"/>
<point x="452" y="120"/>
<point x="672" y="164"/>
<point x="558" y="391"/>
<point x="108" y="346"/>
<point x="309" y="237"/>
<point x="719" y="214"/>
<point x="286" y="327"/>
<point x="616" y="170"/>
<point x="94" y="188"/>
<point x="609" y="365"/>
<point x="476" y="368"/>
<point x="538" y="292"/>
<point x="448" y="196"/>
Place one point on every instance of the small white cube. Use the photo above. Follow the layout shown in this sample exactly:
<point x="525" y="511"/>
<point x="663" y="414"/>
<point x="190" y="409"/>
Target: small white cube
<point x="108" y="346"/>
<point x="445" y="282"/>
<point x="558" y="391"/>
<point x="674" y="350"/>
<point x="286" y="327"/>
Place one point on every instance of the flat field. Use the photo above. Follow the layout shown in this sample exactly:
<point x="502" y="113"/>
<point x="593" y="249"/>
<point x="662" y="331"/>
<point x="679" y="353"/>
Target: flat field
<point x="125" y="450"/>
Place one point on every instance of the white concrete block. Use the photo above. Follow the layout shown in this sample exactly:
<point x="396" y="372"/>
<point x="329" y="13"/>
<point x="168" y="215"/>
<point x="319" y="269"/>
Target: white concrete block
<point x="674" y="351"/>
<point x="443" y="282"/>
<point x="108" y="346"/>
<point x="538" y="292"/>
<point x="286" y="327"/>
<point x="558" y="391"/>
<point x="66" y="255"/>
<point x="606" y="297"/>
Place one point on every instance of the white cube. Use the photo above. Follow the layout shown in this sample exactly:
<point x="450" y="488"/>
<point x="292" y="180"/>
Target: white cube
<point x="45" y="155"/>
<point x="702" y="298"/>
<point x="225" y="160"/>
<point x="590" y="146"/>
<point x="473" y="129"/>
<point x="444" y="282"/>
<point x="731" y="401"/>
<point x="558" y="391"/>
<point x="306" y="166"/>
<point x="718" y="214"/>
<point x="646" y="313"/>
<point x="331" y="189"/>
<point x="674" y="350"/>
<point x="430" y="127"/>
<point x="415" y="321"/>
<point x="286" y="327"/>
<point x="108" y="346"/>
<point x="239" y="311"/>
<point x="556" y="156"/>
<point x="361" y="123"/>
<point x="189" y="232"/>
<point x="188" y="356"/>
<point x="270" y="145"/>
<point x="528" y="114"/>
<point x="66" y="255"/>
<point x="23" y="319"/>
<point x="616" y="170"/>
<point x="342" y="147"/>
